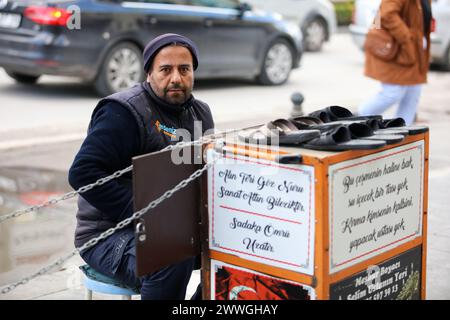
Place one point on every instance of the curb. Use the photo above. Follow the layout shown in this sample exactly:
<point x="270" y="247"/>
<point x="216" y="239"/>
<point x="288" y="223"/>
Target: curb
<point x="46" y="140"/>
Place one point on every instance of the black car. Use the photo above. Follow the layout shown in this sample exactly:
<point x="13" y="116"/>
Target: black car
<point x="101" y="41"/>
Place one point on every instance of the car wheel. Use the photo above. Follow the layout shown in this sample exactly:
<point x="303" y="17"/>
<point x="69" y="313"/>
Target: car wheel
<point x="23" y="78"/>
<point x="315" y="34"/>
<point x="121" y="69"/>
<point x="277" y="63"/>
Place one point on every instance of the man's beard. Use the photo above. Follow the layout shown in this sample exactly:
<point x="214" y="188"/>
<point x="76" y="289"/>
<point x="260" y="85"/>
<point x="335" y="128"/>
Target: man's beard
<point x="178" y="97"/>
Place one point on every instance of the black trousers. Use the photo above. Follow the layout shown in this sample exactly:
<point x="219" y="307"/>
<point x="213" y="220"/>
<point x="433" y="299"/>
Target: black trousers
<point x="116" y="257"/>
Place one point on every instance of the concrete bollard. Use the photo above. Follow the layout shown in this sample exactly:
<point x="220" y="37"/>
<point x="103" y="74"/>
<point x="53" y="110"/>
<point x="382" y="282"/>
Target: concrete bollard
<point x="297" y="100"/>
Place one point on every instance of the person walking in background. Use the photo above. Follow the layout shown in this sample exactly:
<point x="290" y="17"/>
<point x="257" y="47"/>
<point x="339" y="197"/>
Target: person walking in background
<point x="409" y="23"/>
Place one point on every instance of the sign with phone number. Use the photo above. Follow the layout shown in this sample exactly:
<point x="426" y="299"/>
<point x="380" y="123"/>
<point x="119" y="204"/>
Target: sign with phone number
<point x="396" y="279"/>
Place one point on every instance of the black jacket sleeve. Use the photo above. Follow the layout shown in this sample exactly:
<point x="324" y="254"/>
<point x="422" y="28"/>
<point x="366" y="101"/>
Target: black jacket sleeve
<point x="112" y="141"/>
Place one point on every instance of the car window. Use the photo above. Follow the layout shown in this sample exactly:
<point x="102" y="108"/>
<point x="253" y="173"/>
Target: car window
<point x="229" y="4"/>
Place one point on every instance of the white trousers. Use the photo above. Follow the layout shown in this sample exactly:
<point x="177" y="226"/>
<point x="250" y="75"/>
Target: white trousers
<point x="407" y="98"/>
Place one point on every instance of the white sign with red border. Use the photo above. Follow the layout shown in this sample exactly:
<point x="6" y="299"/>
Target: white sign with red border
<point x="375" y="204"/>
<point x="262" y="211"/>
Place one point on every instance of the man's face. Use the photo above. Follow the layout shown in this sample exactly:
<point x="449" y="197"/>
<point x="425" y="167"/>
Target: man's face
<point x="172" y="74"/>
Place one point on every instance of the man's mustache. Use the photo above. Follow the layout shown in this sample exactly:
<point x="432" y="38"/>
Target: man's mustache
<point x="175" y="87"/>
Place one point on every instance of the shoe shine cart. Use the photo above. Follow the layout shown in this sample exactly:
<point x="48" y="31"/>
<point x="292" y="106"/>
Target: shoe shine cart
<point x="292" y="223"/>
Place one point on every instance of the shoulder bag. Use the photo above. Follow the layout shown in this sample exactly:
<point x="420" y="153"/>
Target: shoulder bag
<point x="380" y="42"/>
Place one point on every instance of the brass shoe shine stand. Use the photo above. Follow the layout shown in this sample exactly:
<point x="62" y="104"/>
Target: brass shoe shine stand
<point x="292" y="223"/>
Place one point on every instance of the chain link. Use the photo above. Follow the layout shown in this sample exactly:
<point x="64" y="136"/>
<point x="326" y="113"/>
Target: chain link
<point x="111" y="231"/>
<point x="104" y="180"/>
<point x="65" y="196"/>
<point x="121" y="224"/>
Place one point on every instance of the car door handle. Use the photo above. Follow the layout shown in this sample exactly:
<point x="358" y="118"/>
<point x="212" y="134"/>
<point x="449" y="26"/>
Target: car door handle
<point x="208" y="23"/>
<point x="151" y="20"/>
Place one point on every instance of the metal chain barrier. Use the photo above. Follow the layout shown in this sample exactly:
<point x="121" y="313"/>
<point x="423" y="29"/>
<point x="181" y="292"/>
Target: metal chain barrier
<point x="110" y="231"/>
<point x="66" y="196"/>
<point x="120" y="225"/>
<point x="104" y="180"/>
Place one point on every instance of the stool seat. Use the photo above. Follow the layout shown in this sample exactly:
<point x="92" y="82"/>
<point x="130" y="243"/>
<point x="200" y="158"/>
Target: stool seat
<point x="97" y="282"/>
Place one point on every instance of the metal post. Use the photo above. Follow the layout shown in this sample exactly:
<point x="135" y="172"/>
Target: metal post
<point x="87" y="294"/>
<point x="297" y="99"/>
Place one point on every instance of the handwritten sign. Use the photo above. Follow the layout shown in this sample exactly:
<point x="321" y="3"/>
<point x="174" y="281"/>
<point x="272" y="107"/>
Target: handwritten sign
<point x="268" y="218"/>
<point x="398" y="278"/>
<point x="375" y="204"/>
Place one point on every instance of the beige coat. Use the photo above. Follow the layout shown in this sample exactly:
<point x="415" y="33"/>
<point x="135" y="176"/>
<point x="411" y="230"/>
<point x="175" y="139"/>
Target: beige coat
<point x="410" y="66"/>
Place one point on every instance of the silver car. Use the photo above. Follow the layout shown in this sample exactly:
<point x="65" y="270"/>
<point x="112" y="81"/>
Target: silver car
<point x="365" y="11"/>
<point x="316" y="18"/>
